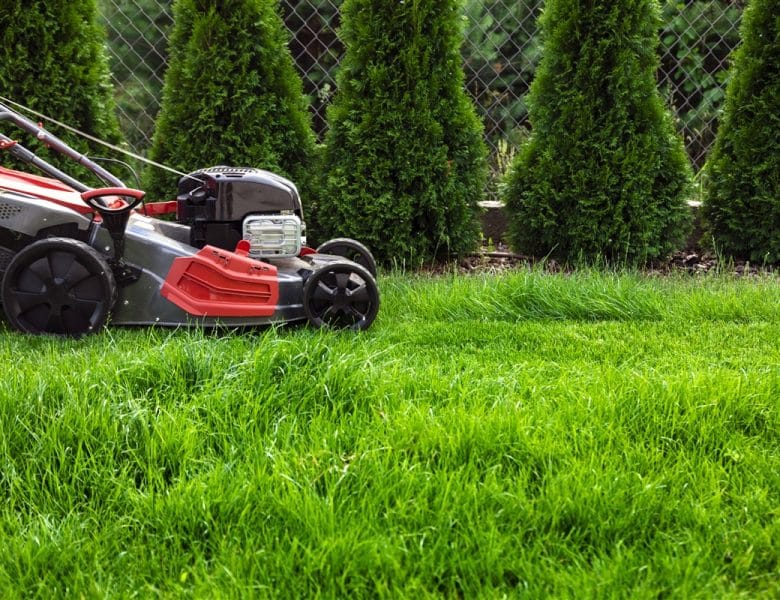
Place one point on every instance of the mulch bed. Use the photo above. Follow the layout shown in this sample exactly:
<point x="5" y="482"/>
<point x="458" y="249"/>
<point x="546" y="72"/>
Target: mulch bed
<point x="499" y="259"/>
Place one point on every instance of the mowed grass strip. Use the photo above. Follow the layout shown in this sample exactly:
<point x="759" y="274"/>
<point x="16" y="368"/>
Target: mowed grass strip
<point x="585" y="435"/>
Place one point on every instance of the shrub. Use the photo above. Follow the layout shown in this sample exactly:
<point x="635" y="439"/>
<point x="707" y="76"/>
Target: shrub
<point x="405" y="160"/>
<point x="603" y="176"/>
<point x="231" y="95"/>
<point x="743" y="174"/>
<point x="53" y="59"/>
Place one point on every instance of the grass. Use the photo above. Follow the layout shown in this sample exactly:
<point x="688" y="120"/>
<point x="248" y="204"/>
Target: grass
<point x="591" y="435"/>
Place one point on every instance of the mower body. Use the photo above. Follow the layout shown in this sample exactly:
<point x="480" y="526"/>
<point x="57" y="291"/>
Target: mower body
<point x="231" y="252"/>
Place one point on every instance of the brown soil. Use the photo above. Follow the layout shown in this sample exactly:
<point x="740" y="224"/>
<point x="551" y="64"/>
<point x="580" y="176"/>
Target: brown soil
<point x="500" y="259"/>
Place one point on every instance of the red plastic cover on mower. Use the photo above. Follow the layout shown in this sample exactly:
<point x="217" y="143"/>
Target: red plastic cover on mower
<point x="215" y="282"/>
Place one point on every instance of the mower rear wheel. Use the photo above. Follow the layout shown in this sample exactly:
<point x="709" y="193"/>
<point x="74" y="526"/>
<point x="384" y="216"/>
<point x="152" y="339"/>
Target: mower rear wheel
<point x="58" y="286"/>
<point x="351" y="250"/>
<point x="341" y="296"/>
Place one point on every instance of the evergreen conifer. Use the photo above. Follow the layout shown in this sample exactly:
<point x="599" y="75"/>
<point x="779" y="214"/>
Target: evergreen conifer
<point x="405" y="162"/>
<point x="231" y="95"/>
<point x="53" y="60"/>
<point x="604" y="176"/>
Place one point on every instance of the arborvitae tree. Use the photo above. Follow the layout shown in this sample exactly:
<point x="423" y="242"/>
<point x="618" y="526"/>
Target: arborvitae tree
<point x="405" y="160"/>
<point x="53" y="60"/>
<point x="743" y="173"/>
<point x="604" y="175"/>
<point x="231" y="95"/>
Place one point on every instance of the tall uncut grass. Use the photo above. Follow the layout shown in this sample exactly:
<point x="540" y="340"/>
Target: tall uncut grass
<point x="592" y="435"/>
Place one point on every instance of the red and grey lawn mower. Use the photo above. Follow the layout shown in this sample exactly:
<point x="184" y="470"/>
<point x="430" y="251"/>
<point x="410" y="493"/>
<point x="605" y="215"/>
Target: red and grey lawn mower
<point x="73" y="258"/>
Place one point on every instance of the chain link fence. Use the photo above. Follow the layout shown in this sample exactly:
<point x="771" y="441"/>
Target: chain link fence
<point x="500" y="54"/>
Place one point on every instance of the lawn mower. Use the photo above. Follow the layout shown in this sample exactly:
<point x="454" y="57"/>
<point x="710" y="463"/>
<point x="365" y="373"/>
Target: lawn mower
<point x="230" y="252"/>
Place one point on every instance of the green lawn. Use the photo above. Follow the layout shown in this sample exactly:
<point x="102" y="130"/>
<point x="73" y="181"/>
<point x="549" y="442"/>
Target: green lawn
<point x="590" y="435"/>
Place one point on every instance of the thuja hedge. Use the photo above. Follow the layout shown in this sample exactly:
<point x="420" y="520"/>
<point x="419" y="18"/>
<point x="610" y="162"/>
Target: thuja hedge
<point x="405" y="162"/>
<point x="53" y="59"/>
<point x="604" y="176"/>
<point x="231" y="95"/>
<point x="743" y="173"/>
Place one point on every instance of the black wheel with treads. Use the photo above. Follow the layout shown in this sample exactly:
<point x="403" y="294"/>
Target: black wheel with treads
<point x="341" y="295"/>
<point x="58" y="286"/>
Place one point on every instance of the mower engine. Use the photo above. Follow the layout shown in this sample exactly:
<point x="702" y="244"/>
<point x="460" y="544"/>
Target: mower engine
<point x="223" y="205"/>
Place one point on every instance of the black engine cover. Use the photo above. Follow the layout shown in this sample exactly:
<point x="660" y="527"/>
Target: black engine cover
<point x="214" y="202"/>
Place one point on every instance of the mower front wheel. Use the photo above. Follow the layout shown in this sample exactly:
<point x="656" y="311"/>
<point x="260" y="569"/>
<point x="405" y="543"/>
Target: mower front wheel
<point x="341" y="296"/>
<point x="58" y="286"/>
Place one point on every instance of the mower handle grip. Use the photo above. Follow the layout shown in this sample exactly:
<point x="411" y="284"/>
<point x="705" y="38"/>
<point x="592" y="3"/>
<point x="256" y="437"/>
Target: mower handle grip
<point x="90" y="197"/>
<point x="113" y="191"/>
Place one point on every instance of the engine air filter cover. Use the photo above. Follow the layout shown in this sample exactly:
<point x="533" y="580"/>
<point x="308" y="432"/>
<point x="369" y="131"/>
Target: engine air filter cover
<point x="273" y="235"/>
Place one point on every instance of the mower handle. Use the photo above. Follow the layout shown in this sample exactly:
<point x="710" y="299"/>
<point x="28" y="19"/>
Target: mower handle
<point x="91" y="195"/>
<point x="51" y="141"/>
